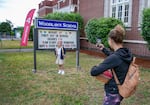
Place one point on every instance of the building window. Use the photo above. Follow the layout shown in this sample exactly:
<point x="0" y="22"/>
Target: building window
<point x="120" y="9"/>
<point x="126" y="13"/>
<point x="120" y="12"/>
<point x="113" y="12"/>
<point x="113" y="1"/>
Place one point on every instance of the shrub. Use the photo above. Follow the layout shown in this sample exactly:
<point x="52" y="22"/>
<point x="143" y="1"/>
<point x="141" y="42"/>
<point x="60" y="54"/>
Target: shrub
<point x="146" y="26"/>
<point x="99" y="28"/>
<point x="66" y="17"/>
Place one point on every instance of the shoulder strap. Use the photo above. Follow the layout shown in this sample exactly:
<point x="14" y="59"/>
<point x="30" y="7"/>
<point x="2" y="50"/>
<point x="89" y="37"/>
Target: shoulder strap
<point x="133" y="60"/>
<point x="115" y="76"/>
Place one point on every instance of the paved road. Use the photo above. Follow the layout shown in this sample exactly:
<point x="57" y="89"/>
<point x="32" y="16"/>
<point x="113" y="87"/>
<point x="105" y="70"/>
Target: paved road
<point x="16" y="50"/>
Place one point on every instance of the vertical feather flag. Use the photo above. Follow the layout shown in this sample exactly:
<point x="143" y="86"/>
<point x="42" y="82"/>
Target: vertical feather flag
<point x="27" y="25"/>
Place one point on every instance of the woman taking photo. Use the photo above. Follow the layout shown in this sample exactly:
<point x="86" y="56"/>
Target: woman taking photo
<point x="118" y="59"/>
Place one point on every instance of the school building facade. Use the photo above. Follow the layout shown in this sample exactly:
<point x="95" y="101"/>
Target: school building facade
<point x="129" y="11"/>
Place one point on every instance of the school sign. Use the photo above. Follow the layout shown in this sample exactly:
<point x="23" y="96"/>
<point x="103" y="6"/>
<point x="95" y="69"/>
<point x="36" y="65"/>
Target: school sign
<point x="48" y="32"/>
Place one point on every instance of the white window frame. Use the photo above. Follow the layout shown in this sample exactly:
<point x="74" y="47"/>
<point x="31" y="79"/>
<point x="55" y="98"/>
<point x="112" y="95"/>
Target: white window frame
<point x="55" y="8"/>
<point x="123" y="3"/>
<point x="148" y="3"/>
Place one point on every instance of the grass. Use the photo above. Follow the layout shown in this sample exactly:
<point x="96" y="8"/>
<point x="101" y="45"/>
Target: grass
<point x="14" y="44"/>
<point x="20" y="86"/>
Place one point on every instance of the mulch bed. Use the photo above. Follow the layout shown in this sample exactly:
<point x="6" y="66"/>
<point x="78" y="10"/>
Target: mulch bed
<point x="139" y="60"/>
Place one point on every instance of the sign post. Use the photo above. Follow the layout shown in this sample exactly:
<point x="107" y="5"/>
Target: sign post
<point x="48" y="32"/>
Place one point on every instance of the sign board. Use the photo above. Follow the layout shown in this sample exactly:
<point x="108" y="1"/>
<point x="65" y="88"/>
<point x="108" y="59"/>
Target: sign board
<point x="47" y="39"/>
<point x="55" y="24"/>
<point x="50" y="31"/>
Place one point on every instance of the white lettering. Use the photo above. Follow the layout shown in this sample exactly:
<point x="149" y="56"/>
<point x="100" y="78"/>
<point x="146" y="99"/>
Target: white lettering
<point x="46" y="23"/>
<point x="25" y="34"/>
<point x="69" y="25"/>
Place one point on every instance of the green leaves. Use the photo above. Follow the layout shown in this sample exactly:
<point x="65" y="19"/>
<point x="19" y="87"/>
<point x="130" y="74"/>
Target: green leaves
<point x="66" y="17"/>
<point x="5" y="27"/>
<point x="99" y="28"/>
<point x="146" y="26"/>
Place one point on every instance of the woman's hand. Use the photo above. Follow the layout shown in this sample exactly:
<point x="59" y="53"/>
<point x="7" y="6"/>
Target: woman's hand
<point x="100" y="46"/>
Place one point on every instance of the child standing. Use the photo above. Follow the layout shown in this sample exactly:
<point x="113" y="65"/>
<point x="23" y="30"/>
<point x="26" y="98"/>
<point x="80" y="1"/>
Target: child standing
<point x="60" y="55"/>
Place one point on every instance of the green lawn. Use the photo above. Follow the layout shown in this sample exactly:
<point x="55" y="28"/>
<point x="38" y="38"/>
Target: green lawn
<point x="20" y="86"/>
<point x="14" y="44"/>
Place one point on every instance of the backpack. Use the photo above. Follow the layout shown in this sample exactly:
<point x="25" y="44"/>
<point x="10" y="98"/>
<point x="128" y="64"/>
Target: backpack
<point x="131" y="81"/>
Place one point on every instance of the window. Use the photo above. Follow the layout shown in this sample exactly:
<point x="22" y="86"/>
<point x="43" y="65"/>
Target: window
<point x="113" y="12"/>
<point x="120" y="9"/>
<point x="120" y="12"/>
<point x="113" y="1"/>
<point x="126" y="13"/>
<point x="120" y="0"/>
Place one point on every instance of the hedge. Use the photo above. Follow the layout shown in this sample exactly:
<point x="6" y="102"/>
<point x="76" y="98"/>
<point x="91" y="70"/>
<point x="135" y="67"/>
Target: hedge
<point x="146" y="26"/>
<point x="66" y="17"/>
<point x="99" y="28"/>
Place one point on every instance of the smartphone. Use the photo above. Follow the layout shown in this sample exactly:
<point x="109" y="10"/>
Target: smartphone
<point x="98" y="40"/>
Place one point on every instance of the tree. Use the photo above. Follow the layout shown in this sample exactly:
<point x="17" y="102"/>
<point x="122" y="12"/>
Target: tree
<point x="66" y="17"/>
<point x="5" y="28"/>
<point x="11" y="24"/>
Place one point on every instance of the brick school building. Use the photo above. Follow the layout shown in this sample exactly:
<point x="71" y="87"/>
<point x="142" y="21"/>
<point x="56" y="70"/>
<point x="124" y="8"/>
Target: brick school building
<point x="129" y="11"/>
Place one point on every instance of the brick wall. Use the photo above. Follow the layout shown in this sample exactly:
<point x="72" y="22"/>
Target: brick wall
<point x="45" y="11"/>
<point x="91" y="9"/>
<point x="140" y="50"/>
<point x="46" y="7"/>
<point x="134" y="32"/>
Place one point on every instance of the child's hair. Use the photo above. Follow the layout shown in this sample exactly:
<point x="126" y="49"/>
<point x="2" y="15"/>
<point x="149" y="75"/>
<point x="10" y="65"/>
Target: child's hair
<point x="117" y="34"/>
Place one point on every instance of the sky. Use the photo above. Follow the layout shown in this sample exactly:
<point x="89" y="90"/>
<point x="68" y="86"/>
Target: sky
<point x="16" y="10"/>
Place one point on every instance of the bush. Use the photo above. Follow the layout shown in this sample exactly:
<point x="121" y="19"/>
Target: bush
<point x="66" y="17"/>
<point x="146" y="26"/>
<point x="99" y="28"/>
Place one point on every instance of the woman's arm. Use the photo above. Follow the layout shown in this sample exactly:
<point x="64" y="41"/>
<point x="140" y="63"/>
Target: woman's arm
<point x="108" y="63"/>
<point x="104" y="50"/>
<point x="107" y="52"/>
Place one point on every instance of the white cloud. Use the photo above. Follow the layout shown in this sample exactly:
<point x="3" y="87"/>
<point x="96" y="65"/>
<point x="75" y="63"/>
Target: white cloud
<point x="16" y="10"/>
